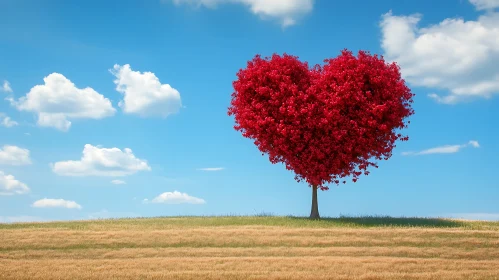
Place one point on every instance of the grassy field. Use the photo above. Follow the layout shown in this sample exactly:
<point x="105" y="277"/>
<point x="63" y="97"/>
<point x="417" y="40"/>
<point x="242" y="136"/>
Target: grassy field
<point x="251" y="248"/>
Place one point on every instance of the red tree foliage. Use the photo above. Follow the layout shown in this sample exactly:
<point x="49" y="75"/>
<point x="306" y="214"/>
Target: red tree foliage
<point x="327" y="122"/>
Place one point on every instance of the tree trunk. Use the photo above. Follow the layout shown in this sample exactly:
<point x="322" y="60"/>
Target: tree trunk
<point x="314" y="213"/>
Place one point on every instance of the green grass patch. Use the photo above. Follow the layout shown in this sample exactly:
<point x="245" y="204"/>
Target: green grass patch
<point x="258" y="220"/>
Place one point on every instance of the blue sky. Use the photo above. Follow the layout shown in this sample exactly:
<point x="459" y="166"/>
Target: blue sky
<point x="119" y="108"/>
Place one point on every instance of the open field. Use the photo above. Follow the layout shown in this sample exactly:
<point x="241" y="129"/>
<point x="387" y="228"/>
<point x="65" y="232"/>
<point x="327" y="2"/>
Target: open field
<point x="251" y="248"/>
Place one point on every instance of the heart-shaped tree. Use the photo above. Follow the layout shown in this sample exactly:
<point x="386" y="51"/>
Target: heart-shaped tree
<point x="327" y="122"/>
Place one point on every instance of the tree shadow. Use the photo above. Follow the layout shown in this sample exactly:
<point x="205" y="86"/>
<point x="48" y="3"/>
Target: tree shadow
<point x="387" y="221"/>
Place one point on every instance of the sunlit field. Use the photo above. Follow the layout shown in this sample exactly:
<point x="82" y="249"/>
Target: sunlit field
<point x="251" y="248"/>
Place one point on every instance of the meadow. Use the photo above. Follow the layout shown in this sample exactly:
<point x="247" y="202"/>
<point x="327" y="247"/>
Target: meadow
<point x="251" y="247"/>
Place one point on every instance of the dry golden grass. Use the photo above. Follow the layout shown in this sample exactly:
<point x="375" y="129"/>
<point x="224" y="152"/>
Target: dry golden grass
<point x="250" y="248"/>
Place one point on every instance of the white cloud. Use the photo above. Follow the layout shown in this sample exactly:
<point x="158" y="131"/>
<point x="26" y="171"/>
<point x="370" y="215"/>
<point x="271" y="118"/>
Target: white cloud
<point x="286" y="11"/>
<point x="474" y="144"/>
<point x="6" y="121"/>
<point x="10" y="186"/>
<point x="485" y="4"/>
<point x="460" y="57"/>
<point x="13" y="155"/>
<point x="212" y="169"/>
<point x="175" y="197"/>
<point x="6" y="87"/>
<point x="448" y="99"/>
<point x="118" y="182"/>
<point x="56" y="203"/>
<point x="97" y="161"/>
<point x="144" y="94"/>
<point x="59" y="101"/>
<point x="447" y="149"/>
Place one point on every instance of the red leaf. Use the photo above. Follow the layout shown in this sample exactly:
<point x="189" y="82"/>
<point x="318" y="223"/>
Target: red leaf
<point x="325" y="122"/>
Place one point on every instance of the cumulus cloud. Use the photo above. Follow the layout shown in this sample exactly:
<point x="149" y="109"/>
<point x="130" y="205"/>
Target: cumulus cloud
<point x="485" y="4"/>
<point x="446" y="149"/>
<point x="10" y="186"/>
<point x="175" y="197"/>
<point x="211" y="169"/>
<point x="58" y="101"/>
<point x="56" y="203"/>
<point x="474" y="144"/>
<point x="118" y="182"/>
<point x="6" y="87"/>
<point x="286" y="11"/>
<point x="144" y="95"/>
<point x="13" y="155"/>
<point x="6" y="121"/>
<point x="457" y="56"/>
<point x="98" y="161"/>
